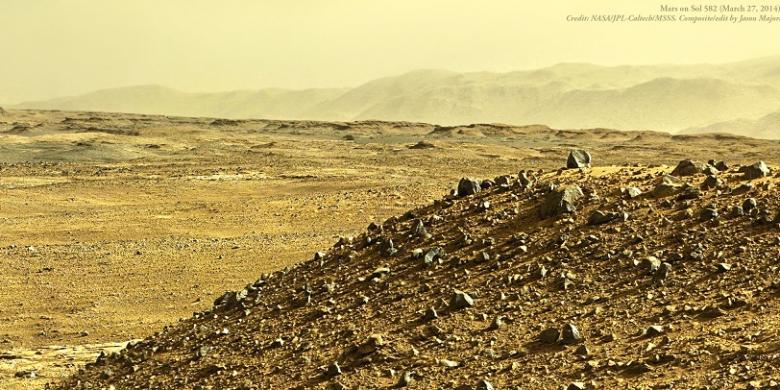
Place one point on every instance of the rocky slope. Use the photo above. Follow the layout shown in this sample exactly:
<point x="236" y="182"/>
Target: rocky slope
<point x="614" y="277"/>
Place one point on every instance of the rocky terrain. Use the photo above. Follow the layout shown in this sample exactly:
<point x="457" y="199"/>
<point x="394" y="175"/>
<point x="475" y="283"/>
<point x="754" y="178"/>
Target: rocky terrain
<point x="116" y="225"/>
<point x="589" y="277"/>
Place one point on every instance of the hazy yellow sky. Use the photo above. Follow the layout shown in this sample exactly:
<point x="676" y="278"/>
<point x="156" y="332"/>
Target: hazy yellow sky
<point x="61" y="47"/>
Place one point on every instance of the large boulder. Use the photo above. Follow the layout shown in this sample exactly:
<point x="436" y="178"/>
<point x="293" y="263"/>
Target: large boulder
<point x="689" y="168"/>
<point x="561" y="201"/>
<point x="578" y="158"/>
<point x="755" y="171"/>
<point x="468" y="186"/>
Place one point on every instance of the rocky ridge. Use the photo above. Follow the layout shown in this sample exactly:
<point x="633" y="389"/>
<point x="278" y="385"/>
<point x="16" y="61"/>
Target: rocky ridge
<point x="610" y="277"/>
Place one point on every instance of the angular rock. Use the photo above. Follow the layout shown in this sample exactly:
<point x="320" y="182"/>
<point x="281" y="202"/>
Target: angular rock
<point x="576" y="386"/>
<point x="460" y="300"/>
<point x="667" y="186"/>
<point x="433" y="255"/>
<point x="651" y="264"/>
<point x="561" y="201"/>
<point x="654" y="330"/>
<point x="484" y="385"/>
<point x="570" y="334"/>
<point x="420" y="230"/>
<point x="578" y="158"/>
<point x="688" y="168"/>
<point x="632" y="192"/>
<point x="468" y="186"/>
<point x="755" y="171"/>
<point x="712" y="182"/>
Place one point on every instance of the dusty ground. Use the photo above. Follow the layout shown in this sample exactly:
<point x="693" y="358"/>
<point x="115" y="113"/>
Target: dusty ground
<point x="115" y="225"/>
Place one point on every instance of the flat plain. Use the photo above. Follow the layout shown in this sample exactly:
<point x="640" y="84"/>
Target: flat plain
<point x="113" y="226"/>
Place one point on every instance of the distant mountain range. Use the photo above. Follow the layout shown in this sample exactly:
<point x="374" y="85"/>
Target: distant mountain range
<point x="741" y="98"/>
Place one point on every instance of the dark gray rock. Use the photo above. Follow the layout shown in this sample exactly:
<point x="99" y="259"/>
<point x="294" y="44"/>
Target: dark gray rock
<point x="654" y="330"/>
<point x="755" y="171"/>
<point x="712" y="182"/>
<point x="663" y="271"/>
<point x="599" y="217"/>
<point x="487" y="183"/>
<point x="571" y="335"/>
<point x="736" y="211"/>
<point x="467" y="186"/>
<point x="578" y="158"/>
<point x="550" y="336"/>
<point x="430" y="314"/>
<point x="460" y="300"/>
<point x="749" y="204"/>
<point x="710" y="212"/>
<point x="333" y="370"/>
<point x="504" y="181"/>
<point x="667" y="186"/>
<point x="561" y="201"/>
<point x="524" y="180"/>
<point x="689" y="168"/>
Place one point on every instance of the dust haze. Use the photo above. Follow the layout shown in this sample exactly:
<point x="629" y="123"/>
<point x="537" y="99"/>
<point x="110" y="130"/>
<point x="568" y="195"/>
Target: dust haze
<point x="369" y="195"/>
